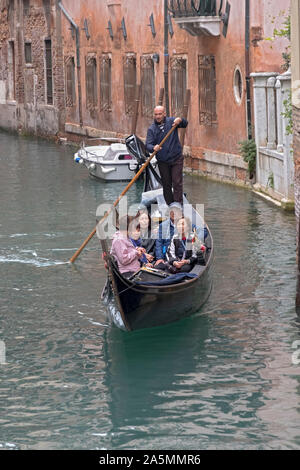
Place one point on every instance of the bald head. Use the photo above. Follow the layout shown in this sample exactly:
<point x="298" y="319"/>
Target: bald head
<point x="159" y="114"/>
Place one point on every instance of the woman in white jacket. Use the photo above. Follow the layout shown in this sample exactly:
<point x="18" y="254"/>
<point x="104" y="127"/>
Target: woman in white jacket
<point x="182" y="254"/>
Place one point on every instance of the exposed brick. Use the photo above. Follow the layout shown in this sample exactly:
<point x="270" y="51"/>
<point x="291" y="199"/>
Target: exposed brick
<point x="241" y="174"/>
<point x="195" y="164"/>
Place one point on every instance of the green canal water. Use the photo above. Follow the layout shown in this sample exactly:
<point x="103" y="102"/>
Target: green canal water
<point x="226" y="378"/>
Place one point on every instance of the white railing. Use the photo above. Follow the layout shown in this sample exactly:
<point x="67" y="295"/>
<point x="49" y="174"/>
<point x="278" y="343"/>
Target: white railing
<point x="275" y="167"/>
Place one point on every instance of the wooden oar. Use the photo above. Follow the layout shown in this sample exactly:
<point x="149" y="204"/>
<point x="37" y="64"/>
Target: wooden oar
<point x="121" y="195"/>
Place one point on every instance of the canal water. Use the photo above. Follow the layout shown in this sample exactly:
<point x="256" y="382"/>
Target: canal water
<point x="226" y="378"/>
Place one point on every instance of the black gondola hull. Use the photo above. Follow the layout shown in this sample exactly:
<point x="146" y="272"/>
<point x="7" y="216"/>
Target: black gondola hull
<point x="149" y="306"/>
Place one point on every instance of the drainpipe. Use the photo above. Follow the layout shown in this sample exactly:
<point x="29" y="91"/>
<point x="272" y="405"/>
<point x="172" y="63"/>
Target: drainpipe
<point x="166" y="56"/>
<point x="77" y="38"/>
<point x="247" y="67"/>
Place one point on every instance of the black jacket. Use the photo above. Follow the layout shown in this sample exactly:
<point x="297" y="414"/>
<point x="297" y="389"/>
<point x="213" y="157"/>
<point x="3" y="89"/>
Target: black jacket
<point x="171" y="149"/>
<point x="181" y="249"/>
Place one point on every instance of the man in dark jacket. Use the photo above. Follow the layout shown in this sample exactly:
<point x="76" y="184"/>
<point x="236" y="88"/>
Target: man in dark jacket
<point x="165" y="233"/>
<point x="169" y="157"/>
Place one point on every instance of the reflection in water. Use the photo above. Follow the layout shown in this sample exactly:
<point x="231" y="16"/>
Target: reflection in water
<point x="147" y="373"/>
<point x="223" y="378"/>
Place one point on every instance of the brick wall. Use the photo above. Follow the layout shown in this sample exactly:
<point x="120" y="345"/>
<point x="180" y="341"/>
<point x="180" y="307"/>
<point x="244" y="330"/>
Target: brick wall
<point x="4" y="36"/>
<point x="34" y="24"/>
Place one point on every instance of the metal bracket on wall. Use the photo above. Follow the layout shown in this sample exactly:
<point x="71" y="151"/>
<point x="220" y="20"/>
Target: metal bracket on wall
<point x="124" y="28"/>
<point x="152" y="25"/>
<point x="110" y="30"/>
<point x="170" y="25"/>
<point x="72" y="29"/>
<point x="86" y="28"/>
<point x="225" y="19"/>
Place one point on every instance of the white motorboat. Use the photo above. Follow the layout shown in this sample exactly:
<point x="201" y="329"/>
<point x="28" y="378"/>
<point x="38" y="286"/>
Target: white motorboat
<point x="108" y="162"/>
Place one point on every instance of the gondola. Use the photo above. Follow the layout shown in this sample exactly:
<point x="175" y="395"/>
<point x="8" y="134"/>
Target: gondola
<point x="150" y="298"/>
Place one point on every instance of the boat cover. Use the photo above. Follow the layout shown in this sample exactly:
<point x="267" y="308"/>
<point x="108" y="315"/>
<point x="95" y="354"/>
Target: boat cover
<point x="173" y="279"/>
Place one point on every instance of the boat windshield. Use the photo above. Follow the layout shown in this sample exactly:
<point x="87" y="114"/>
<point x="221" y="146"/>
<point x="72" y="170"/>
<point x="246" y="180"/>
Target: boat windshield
<point x="109" y="154"/>
<point x="112" y="151"/>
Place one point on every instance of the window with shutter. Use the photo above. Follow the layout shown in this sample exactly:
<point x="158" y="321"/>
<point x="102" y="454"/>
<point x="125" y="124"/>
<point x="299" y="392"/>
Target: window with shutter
<point x="178" y="85"/>
<point x="11" y="62"/>
<point x="91" y="82"/>
<point x="207" y="90"/>
<point x="105" y="83"/>
<point x="27" y="51"/>
<point x="148" y="85"/>
<point x="129" y="70"/>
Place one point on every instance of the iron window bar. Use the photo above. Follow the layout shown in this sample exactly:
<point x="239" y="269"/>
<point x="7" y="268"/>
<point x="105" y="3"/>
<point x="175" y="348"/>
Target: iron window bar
<point x="183" y="8"/>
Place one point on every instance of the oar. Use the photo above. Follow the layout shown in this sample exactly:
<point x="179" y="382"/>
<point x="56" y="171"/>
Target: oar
<point x="122" y="194"/>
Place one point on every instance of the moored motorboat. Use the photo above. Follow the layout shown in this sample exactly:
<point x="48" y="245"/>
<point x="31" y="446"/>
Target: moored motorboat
<point x="107" y="162"/>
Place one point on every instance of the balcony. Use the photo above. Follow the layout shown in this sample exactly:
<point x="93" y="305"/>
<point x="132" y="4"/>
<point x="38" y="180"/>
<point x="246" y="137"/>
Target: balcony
<point x="200" y="17"/>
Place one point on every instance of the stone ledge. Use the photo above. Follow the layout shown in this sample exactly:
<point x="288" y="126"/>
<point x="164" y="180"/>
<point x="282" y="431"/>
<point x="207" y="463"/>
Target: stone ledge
<point x="226" y="159"/>
<point x="271" y="153"/>
<point x="223" y="179"/>
<point x="11" y="103"/>
<point x="286" y="204"/>
<point x="72" y="128"/>
<point x="219" y="158"/>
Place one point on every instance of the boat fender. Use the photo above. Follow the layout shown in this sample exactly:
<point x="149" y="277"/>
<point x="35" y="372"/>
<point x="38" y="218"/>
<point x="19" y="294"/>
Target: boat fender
<point x="107" y="170"/>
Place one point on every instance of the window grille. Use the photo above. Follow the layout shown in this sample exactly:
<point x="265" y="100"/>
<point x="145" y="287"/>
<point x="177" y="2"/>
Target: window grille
<point x="181" y="8"/>
<point x="105" y="83"/>
<point x="70" y="81"/>
<point x="91" y="81"/>
<point x="26" y="7"/>
<point x="148" y="86"/>
<point x="178" y="85"/>
<point x="207" y="90"/>
<point x="11" y="71"/>
<point x="49" y="79"/>
<point x="27" y="52"/>
<point x="129" y="70"/>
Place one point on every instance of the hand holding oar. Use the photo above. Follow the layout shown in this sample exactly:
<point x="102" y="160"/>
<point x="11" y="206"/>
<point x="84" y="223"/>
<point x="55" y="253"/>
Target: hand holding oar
<point x="123" y="193"/>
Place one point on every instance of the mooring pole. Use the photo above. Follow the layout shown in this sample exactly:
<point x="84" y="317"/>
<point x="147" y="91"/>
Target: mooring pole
<point x="166" y="57"/>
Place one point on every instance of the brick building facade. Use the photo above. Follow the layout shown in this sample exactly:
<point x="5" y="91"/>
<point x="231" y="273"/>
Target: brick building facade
<point x="72" y="68"/>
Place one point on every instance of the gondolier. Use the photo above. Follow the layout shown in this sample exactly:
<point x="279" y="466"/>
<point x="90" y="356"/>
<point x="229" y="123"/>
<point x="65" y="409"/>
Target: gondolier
<point x="169" y="157"/>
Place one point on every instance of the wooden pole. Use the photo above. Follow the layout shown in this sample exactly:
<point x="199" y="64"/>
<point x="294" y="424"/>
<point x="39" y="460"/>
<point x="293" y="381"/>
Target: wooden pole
<point x="186" y="105"/>
<point x="136" y="108"/>
<point x="166" y="57"/>
<point x="121" y="195"/>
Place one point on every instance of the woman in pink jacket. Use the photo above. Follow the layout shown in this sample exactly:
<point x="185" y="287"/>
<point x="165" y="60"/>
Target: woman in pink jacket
<point x="127" y="256"/>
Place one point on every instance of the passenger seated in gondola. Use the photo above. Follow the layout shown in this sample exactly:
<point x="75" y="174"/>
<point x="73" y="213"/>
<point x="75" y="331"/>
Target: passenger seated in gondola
<point x="134" y="234"/>
<point x="183" y="251"/>
<point x="147" y="237"/>
<point x="128" y="256"/>
<point x="165" y="233"/>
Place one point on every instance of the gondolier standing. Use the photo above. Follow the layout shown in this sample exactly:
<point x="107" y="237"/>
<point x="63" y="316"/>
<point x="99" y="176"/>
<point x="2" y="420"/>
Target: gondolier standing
<point x="169" y="157"/>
